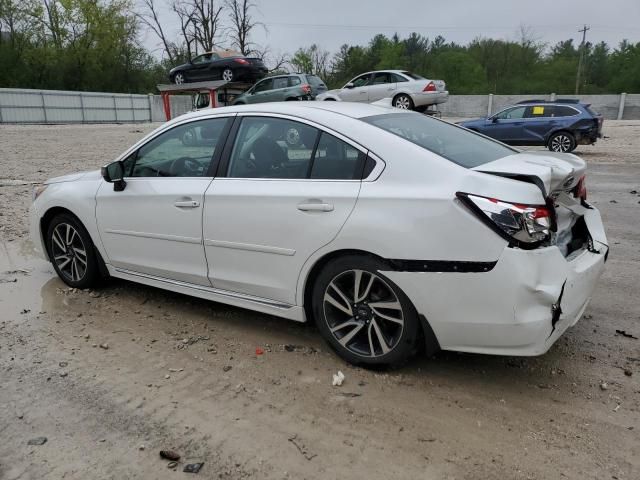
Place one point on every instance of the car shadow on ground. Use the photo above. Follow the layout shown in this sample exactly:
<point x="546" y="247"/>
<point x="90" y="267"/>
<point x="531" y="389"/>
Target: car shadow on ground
<point x="254" y="328"/>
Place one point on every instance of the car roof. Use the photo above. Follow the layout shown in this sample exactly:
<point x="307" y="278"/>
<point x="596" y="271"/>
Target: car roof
<point x="311" y="110"/>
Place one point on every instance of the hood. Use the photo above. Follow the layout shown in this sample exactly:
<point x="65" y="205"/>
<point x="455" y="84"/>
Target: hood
<point x="179" y="67"/>
<point x="72" y="177"/>
<point x="472" y="122"/>
<point x="335" y="93"/>
<point x="556" y="171"/>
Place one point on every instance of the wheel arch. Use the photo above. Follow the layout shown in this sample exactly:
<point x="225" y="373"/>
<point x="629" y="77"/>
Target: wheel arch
<point x="45" y="221"/>
<point x="429" y="339"/>
<point x="555" y="132"/>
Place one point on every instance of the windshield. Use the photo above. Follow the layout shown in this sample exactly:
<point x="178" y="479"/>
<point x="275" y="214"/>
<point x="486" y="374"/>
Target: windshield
<point x="456" y="144"/>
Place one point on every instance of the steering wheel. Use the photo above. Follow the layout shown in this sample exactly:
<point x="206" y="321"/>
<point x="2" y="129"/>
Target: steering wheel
<point x="185" y="167"/>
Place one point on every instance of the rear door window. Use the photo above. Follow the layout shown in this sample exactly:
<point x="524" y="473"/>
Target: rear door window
<point x="398" y="78"/>
<point x="336" y="160"/>
<point x="539" y="111"/>
<point x="293" y="81"/>
<point x="280" y="82"/>
<point x="563" y="111"/>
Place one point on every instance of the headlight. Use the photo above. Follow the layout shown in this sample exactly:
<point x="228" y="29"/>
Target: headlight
<point x="38" y="190"/>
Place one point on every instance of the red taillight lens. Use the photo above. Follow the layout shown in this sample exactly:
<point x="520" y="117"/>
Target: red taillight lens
<point x="306" y="88"/>
<point x="580" y="190"/>
<point x="527" y="226"/>
<point x="241" y="60"/>
<point x="431" y="87"/>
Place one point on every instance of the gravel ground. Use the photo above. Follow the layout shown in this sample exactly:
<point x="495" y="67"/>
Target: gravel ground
<point x="112" y="376"/>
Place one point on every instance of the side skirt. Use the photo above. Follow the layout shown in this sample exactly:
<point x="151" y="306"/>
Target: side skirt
<point x="263" y="305"/>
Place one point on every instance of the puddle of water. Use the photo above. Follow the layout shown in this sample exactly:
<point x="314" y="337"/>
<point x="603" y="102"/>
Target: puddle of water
<point x="26" y="281"/>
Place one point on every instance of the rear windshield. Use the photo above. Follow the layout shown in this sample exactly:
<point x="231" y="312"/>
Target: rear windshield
<point x="315" y="81"/>
<point x="454" y="143"/>
<point x="415" y="76"/>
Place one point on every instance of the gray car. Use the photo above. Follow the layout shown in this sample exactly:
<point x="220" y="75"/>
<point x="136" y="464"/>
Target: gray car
<point x="295" y="86"/>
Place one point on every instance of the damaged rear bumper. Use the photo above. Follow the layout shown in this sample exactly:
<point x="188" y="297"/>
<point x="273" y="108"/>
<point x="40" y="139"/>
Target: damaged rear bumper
<point x="520" y="307"/>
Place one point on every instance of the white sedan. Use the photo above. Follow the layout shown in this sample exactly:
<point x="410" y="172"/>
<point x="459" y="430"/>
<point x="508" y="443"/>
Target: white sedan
<point x="391" y="230"/>
<point x="406" y="90"/>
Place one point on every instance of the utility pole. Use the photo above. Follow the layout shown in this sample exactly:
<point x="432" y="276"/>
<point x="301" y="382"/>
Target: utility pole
<point x="580" y="61"/>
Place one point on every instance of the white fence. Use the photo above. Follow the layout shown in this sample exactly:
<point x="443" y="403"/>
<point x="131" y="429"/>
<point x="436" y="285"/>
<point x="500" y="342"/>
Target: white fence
<point x="55" y="106"/>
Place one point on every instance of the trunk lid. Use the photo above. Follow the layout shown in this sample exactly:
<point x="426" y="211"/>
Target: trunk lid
<point x="440" y="85"/>
<point x="556" y="172"/>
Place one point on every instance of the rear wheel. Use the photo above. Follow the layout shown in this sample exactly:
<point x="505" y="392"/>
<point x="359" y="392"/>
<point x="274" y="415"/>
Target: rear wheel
<point x="403" y="102"/>
<point x="562" y="142"/>
<point x="363" y="315"/>
<point x="71" y="251"/>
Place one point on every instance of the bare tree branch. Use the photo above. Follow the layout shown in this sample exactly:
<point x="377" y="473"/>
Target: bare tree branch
<point x="149" y="17"/>
<point x="241" y="25"/>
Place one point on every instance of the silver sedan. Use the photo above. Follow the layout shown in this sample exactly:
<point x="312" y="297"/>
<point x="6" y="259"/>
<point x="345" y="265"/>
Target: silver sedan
<point x="406" y="90"/>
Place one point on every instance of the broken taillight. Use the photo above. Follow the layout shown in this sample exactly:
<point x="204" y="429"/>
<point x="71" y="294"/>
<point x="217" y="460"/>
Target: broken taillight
<point x="526" y="226"/>
<point x="306" y="88"/>
<point x="580" y="190"/>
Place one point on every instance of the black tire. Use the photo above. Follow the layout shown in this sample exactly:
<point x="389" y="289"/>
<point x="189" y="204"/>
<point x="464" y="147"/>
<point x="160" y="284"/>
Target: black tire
<point x="563" y="142"/>
<point x="179" y="78"/>
<point x="227" y="74"/>
<point x="401" y="340"/>
<point x="82" y="276"/>
<point x="329" y="99"/>
<point x="403" y="102"/>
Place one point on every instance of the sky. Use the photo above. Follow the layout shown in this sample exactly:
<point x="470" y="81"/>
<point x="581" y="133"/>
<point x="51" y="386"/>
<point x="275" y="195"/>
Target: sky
<point x="290" y="24"/>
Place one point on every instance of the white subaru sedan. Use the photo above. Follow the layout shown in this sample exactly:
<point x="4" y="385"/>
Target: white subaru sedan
<point x="393" y="231"/>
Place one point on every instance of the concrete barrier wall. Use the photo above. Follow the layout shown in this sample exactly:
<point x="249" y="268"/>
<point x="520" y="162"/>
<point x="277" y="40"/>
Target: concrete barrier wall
<point x="56" y="106"/>
<point x="53" y="106"/>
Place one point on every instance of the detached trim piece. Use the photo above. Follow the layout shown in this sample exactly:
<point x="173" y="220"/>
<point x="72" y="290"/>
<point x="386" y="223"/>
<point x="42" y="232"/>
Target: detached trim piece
<point x="441" y="266"/>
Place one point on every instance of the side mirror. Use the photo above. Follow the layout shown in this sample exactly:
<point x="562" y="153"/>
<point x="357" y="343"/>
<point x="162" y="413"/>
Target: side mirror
<point x="493" y="119"/>
<point x="114" y="173"/>
<point x="349" y="85"/>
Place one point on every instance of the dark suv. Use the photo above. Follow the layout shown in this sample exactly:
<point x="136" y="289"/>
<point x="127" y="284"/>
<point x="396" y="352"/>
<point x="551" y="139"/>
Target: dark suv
<point x="559" y="125"/>
<point x="295" y="86"/>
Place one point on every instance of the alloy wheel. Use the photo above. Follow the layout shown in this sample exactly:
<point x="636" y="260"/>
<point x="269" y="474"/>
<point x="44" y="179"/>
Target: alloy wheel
<point x="69" y="252"/>
<point x="179" y="79"/>
<point x="227" y="74"/>
<point x="561" y="143"/>
<point x="402" y="102"/>
<point x="363" y="313"/>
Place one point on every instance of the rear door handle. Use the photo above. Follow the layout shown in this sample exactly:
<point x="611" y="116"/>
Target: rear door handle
<point x="187" y="204"/>
<point x="315" y="207"/>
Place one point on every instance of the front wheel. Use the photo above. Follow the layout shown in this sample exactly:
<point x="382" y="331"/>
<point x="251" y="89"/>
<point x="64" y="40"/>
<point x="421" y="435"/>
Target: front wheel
<point x="363" y="315"/>
<point x="227" y="74"/>
<point x="403" y="102"/>
<point x="179" y="79"/>
<point x="71" y="252"/>
<point x="562" y="142"/>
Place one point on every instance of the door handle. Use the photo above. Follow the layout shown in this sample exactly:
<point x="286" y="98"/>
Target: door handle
<point x="315" y="207"/>
<point x="187" y="204"/>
